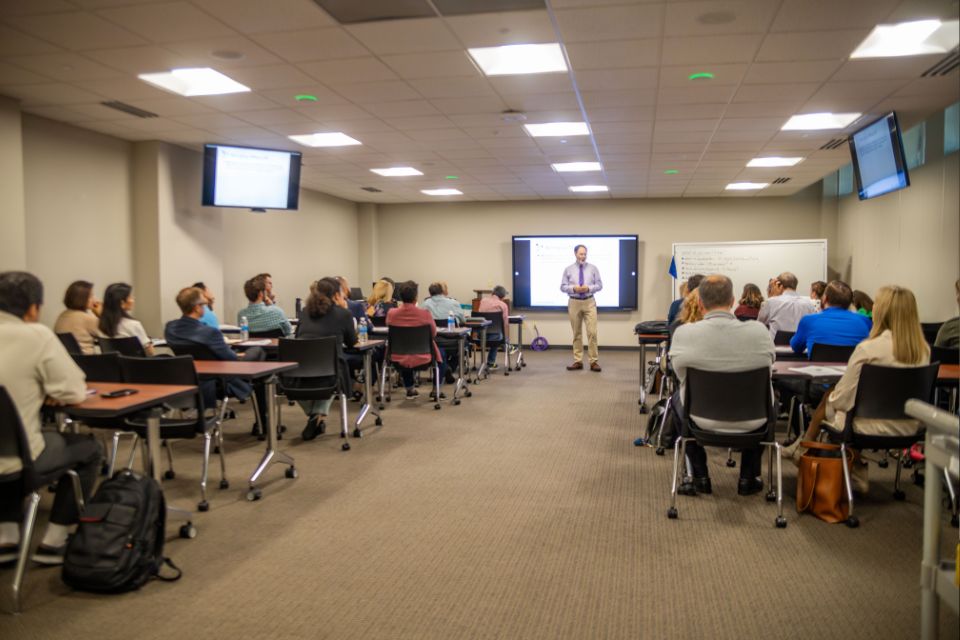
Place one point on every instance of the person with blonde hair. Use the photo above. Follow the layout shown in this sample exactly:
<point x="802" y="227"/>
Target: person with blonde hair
<point x="380" y="300"/>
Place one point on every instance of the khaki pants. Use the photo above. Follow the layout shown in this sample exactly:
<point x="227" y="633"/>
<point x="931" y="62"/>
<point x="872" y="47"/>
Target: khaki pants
<point x="584" y="311"/>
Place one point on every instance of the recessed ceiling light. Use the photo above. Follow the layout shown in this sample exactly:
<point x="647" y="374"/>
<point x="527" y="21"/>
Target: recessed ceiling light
<point x="395" y="172"/>
<point x="700" y="75"/>
<point x="194" y="82"/>
<point x="747" y="186"/>
<point x="563" y="167"/>
<point x="909" y="39"/>
<point x="516" y="59"/>
<point x="334" y="139"/>
<point x="774" y="162"/>
<point x="442" y="192"/>
<point x="819" y="121"/>
<point x="557" y="129"/>
<point x="590" y="188"/>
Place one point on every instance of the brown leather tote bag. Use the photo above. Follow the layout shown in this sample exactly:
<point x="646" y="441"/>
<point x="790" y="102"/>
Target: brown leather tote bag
<point x="820" y="488"/>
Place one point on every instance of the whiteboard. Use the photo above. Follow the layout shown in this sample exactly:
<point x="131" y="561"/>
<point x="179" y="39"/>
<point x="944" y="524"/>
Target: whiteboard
<point x="752" y="262"/>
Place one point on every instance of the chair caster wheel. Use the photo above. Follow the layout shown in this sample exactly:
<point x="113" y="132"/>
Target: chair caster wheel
<point x="388" y="400"/>
<point x="322" y="427"/>
<point x="781" y="522"/>
<point x="290" y="403"/>
<point x="659" y="451"/>
<point x="105" y="470"/>
<point x="282" y="428"/>
<point x="436" y="407"/>
<point x="254" y="494"/>
<point x="203" y="506"/>
<point x="523" y="364"/>
<point x="918" y="478"/>
<point x="731" y="463"/>
<point x="224" y="484"/>
<point x="380" y="407"/>
<point x="357" y="433"/>
<point x="231" y="415"/>
<point x="907" y="464"/>
<point x="883" y="464"/>
<point x="853" y="522"/>
<point x="261" y="437"/>
<point x="672" y="513"/>
<point x="188" y="531"/>
<point x="771" y="496"/>
<point x="899" y="495"/>
<point x="506" y="373"/>
<point x="169" y="474"/>
<point x="456" y="402"/>
<point x="954" y="521"/>
<point x="291" y="472"/>
<point x="469" y="394"/>
<point x="345" y="446"/>
<point x="643" y="409"/>
<point x="216" y="450"/>
<point x="378" y="422"/>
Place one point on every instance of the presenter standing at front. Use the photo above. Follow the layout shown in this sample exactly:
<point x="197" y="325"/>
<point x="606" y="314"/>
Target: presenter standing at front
<point x="580" y="281"/>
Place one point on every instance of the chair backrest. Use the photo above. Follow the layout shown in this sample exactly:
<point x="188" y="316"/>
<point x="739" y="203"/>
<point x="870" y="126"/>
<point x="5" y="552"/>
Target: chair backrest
<point x="316" y="357"/>
<point x="830" y="352"/>
<point x="172" y="370"/>
<point x="725" y="396"/>
<point x="883" y="391"/>
<point x="945" y="355"/>
<point x="378" y="321"/>
<point x="406" y="341"/>
<point x="782" y="338"/>
<point x="13" y="439"/>
<point x="496" y="317"/>
<point x="100" y="368"/>
<point x="930" y="331"/>
<point x="130" y="347"/>
<point x="70" y="343"/>
<point x="272" y="333"/>
<point x="197" y="351"/>
<point x="356" y="293"/>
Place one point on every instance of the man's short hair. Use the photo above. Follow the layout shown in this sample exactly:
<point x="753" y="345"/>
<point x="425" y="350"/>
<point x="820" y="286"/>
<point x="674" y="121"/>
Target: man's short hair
<point x="838" y="294"/>
<point x="409" y="291"/>
<point x="435" y="288"/>
<point x="19" y="290"/>
<point x="500" y="291"/>
<point x="716" y="291"/>
<point x="252" y="288"/>
<point x="199" y="285"/>
<point x="190" y="297"/>
<point x="788" y="280"/>
<point x="694" y="281"/>
<point x="577" y="248"/>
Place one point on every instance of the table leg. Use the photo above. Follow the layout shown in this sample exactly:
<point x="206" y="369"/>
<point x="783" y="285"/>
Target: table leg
<point x="153" y="468"/>
<point x="930" y="560"/>
<point x="367" y="406"/>
<point x="461" y="378"/>
<point x="483" y="355"/>
<point x="520" y="361"/>
<point x="273" y="454"/>
<point x="643" y="377"/>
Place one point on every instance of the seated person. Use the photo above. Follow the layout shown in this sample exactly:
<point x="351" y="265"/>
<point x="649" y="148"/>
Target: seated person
<point x="115" y="318"/>
<point x="863" y="303"/>
<point x="209" y="317"/>
<point x="750" y="301"/>
<point x="949" y="334"/>
<point x="691" y="285"/>
<point x="265" y="280"/>
<point x="494" y="302"/>
<point x="381" y="299"/>
<point x="324" y="315"/>
<point x="36" y="369"/>
<point x="356" y="308"/>
<point x="260" y="316"/>
<point x="835" y="325"/>
<point x="816" y="292"/>
<point x="896" y="340"/>
<point x="720" y="342"/>
<point x="80" y="316"/>
<point x="440" y="306"/>
<point x="784" y="306"/>
<point x="410" y="315"/>
<point x="188" y="330"/>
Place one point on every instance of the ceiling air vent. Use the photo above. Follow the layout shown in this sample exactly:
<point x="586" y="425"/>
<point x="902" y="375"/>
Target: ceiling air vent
<point x="950" y="62"/>
<point x="466" y="7"/>
<point x="129" y="108"/>
<point x="781" y="181"/>
<point x="833" y="144"/>
<point x="372" y="189"/>
<point x="354" y="11"/>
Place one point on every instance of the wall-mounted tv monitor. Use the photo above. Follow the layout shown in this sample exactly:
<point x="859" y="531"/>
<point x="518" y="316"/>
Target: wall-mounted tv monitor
<point x="539" y="261"/>
<point x="250" y="178"/>
<point x="879" y="164"/>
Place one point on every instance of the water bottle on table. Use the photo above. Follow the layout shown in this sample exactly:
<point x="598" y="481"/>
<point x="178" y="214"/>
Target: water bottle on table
<point x="451" y="322"/>
<point x="244" y="328"/>
<point x="363" y="331"/>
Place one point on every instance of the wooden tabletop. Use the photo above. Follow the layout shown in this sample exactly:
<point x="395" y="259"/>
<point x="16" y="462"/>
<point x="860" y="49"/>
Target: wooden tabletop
<point x="652" y="337"/>
<point x="478" y="322"/>
<point x="782" y="369"/>
<point x="253" y="342"/>
<point x="366" y="346"/>
<point x="147" y="396"/>
<point x="240" y="368"/>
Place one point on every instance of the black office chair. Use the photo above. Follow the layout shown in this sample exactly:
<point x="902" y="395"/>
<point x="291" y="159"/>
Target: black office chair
<point x="403" y="341"/>
<point x="356" y="293"/>
<point x="381" y="321"/>
<point x="882" y="393"/>
<point x="26" y="482"/>
<point x="70" y="343"/>
<point x="729" y="397"/>
<point x="945" y="355"/>
<point x="178" y="370"/>
<point x="320" y="375"/>
<point x="496" y="317"/>
<point x="129" y="347"/>
<point x="830" y="352"/>
<point x="930" y="331"/>
<point x="800" y="404"/>
<point x="100" y="368"/>
<point x="270" y="333"/>
<point x="782" y="338"/>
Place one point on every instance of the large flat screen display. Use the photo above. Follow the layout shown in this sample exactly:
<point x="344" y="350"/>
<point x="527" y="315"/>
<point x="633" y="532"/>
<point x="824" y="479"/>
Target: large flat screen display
<point x="539" y="261"/>
<point x="879" y="164"/>
<point x="250" y="178"/>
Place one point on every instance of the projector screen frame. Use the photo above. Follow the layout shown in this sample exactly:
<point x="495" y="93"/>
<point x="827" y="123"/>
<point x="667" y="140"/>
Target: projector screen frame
<point x="895" y="133"/>
<point x="584" y="238"/>
<point x="209" y="178"/>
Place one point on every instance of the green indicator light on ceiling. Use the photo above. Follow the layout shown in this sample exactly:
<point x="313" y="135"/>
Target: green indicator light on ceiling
<point x="451" y="177"/>
<point x="671" y="172"/>
<point x="305" y="97"/>
<point x="703" y="75"/>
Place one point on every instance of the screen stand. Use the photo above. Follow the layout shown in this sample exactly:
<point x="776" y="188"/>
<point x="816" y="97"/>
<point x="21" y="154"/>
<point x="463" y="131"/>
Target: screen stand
<point x="258" y="210"/>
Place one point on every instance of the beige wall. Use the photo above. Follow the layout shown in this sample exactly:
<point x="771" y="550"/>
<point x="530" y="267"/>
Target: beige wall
<point x="77" y="198"/>
<point x="13" y="250"/>
<point x="468" y="244"/>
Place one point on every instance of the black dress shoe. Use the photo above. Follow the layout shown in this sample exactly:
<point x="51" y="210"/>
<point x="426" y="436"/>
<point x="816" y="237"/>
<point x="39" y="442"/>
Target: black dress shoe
<point x="694" y="486"/>
<point x="312" y="429"/>
<point x="749" y="486"/>
<point x="687" y="489"/>
<point x="703" y="485"/>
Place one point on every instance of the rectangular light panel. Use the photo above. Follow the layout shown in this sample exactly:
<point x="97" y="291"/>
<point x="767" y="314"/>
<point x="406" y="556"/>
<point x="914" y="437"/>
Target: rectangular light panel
<point x="395" y="172"/>
<point x="194" y="82"/>
<point x="442" y="192"/>
<point x="334" y="139"/>
<point x="557" y="129"/>
<point x="820" y="121"/>
<point x="917" y="38"/>
<point x="590" y="188"/>
<point x="516" y="59"/>
<point x="564" y="167"/>
<point x="774" y="161"/>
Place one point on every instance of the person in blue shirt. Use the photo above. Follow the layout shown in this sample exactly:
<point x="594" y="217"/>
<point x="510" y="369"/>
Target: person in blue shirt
<point x="835" y="325"/>
<point x="692" y="283"/>
<point x="208" y="318"/>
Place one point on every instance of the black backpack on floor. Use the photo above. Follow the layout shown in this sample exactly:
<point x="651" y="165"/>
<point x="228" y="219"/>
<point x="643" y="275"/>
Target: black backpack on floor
<point x="118" y="545"/>
<point x="657" y="422"/>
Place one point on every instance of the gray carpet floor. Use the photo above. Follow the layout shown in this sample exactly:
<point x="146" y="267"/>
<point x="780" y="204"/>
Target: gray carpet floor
<point x="525" y="512"/>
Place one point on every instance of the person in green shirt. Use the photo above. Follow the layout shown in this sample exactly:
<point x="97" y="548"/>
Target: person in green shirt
<point x="949" y="334"/>
<point x="863" y="303"/>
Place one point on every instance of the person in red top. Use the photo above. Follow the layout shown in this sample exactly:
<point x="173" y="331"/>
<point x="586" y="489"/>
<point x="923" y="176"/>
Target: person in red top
<point x="410" y="315"/>
<point x="494" y="302"/>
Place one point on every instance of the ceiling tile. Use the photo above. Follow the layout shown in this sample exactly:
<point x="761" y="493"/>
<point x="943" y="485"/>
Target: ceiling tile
<point x="430" y="135"/>
<point x="168" y="22"/>
<point x="724" y="74"/>
<point x="780" y="72"/>
<point x="819" y="45"/>
<point x="440" y="64"/>
<point x="126" y="88"/>
<point x="211" y="121"/>
<point x="51" y="94"/>
<point x="692" y="111"/>
<point x="15" y="43"/>
<point x="10" y="74"/>
<point x="706" y="50"/>
<point x="761" y="109"/>
<point x="200" y="53"/>
<point x="27" y="7"/>
<point x="602" y="99"/>
<point x="884" y="69"/>
<point x="850" y="96"/>
<point x="312" y="44"/>
<point x="66" y="67"/>
<point x="617" y="79"/>
<point x="706" y="124"/>
<point x="259" y="17"/>
<point x="367" y="69"/>
<point x="494" y="29"/>
<point x="610" y="23"/>
<point x="338" y="112"/>
<point x="614" y="54"/>
<point x="622" y="127"/>
<point x="272" y="76"/>
<point x="402" y="109"/>
<point x="76" y="30"/>
<point x="532" y="84"/>
<point x="405" y="36"/>
<point x="452" y="87"/>
<point x="287" y="97"/>
<point x="810" y="15"/>
<point x="707" y="18"/>
<point x="373" y="92"/>
<point x="420" y="122"/>
<point x="61" y="114"/>
<point x="619" y="114"/>
<point x="542" y="102"/>
<point x="138" y="60"/>
<point x="236" y="102"/>
<point x="171" y="107"/>
<point x="695" y="94"/>
<point x="776" y="92"/>
<point x="480" y="104"/>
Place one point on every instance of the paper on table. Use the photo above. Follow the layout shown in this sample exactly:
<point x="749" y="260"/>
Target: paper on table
<point x="816" y="371"/>
<point x="255" y="343"/>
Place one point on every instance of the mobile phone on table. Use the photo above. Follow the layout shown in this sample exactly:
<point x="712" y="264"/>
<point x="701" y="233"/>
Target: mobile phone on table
<point x="119" y="393"/>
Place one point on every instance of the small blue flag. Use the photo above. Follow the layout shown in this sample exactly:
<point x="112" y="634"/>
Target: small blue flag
<point x="673" y="267"/>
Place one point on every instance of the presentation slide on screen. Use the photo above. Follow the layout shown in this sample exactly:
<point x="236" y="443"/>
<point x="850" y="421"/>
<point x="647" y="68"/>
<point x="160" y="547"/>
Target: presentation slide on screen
<point x="252" y="178"/>
<point x="876" y="159"/>
<point x="539" y="263"/>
